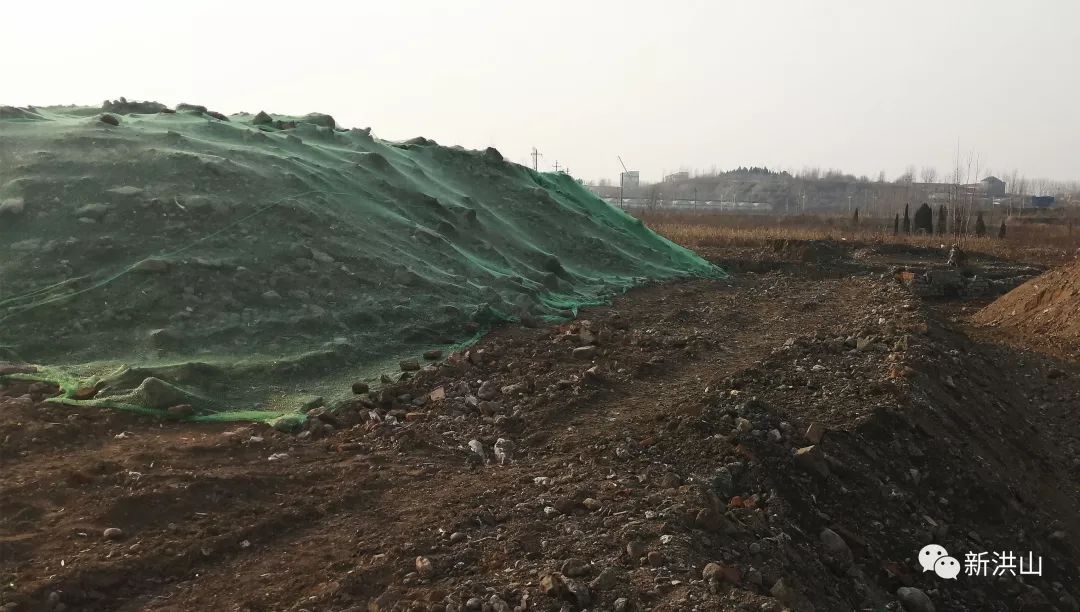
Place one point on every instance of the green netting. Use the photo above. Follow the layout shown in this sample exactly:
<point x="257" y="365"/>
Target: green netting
<point x="247" y="267"/>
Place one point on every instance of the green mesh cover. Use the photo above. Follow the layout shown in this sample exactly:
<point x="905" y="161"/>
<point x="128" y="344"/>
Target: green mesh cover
<point x="247" y="267"/>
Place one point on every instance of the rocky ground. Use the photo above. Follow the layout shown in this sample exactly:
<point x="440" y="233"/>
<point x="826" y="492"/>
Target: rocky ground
<point x="787" y="439"/>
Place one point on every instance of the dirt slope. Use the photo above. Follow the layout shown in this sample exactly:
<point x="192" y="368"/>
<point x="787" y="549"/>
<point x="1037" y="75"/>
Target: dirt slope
<point x="1046" y="308"/>
<point x="667" y="445"/>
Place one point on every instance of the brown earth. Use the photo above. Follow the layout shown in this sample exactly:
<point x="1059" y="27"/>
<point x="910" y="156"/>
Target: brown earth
<point x="664" y="464"/>
<point x="1045" y="309"/>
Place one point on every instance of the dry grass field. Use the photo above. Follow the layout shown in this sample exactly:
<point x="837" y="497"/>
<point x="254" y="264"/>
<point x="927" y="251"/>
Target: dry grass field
<point x="1044" y="240"/>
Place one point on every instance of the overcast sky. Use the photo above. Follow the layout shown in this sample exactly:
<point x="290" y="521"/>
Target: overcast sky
<point x="861" y="85"/>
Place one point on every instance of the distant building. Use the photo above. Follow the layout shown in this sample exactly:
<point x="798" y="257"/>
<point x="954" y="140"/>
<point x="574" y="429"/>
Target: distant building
<point x="631" y="179"/>
<point x="1042" y="201"/>
<point x="677" y="176"/>
<point x="993" y="187"/>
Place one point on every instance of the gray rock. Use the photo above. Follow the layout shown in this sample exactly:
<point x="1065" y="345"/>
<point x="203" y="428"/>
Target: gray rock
<point x="113" y="533"/>
<point x="93" y="211"/>
<point x="504" y="452"/>
<point x="488" y="391"/>
<point x="181" y="411"/>
<point x="811" y="459"/>
<point x="514" y="389"/>
<point x="607" y="579"/>
<point x="836" y="549"/>
<point x="579" y="591"/>
<point x="723" y="482"/>
<point x="574" y="568"/>
<point x="636" y="549"/>
<point x="584" y="352"/>
<point x="477" y="448"/>
<point x="160" y="395"/>
<point x="914" y="600"/>
<point x="12" y="206"/>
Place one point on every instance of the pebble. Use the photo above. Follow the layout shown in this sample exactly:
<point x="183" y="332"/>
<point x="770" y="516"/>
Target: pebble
<point x="553" y="585"/>
<point x="712" y="571"/>
<point x="424" y="567"/>
<point x="113" y="533"/>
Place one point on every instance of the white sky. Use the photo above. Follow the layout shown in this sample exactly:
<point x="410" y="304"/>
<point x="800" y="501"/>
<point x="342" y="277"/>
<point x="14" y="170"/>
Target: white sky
<point x="861" y="85"/>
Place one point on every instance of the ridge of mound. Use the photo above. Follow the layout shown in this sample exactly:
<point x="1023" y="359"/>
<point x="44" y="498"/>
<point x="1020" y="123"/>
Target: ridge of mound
<point x="250" y="260"/>
<point x="1047" y="306"/>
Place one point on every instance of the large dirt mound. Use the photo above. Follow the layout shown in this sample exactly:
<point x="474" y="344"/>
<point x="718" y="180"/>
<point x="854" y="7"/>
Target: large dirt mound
<point x="252" y="259"/>
<point x="1046" y="307"/>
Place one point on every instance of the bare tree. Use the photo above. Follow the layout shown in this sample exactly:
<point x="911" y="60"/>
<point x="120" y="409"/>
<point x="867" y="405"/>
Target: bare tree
<point x="907" y="177"/>
<point x="928" y="174"/>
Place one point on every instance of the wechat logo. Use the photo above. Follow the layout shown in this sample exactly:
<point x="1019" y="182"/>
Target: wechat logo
<point x="934" y="558"/>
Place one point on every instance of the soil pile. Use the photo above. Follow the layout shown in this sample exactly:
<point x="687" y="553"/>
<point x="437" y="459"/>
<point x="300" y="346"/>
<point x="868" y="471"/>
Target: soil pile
<point x="781" y="441"/>
<point x="157" y="257"/>
<point x="1046" y="307"/>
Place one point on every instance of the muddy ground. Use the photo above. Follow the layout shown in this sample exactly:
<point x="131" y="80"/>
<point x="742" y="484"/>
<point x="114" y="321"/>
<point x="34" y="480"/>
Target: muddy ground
<point x="787" y="439"/>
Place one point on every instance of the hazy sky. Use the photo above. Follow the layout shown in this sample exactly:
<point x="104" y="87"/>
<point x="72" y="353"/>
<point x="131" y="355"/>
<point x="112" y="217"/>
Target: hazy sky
<point x="861" y="85"/>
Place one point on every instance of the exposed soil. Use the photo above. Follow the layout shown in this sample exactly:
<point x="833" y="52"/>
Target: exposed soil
<point x="1046" y="309"/>
<point x="647" y="461"/>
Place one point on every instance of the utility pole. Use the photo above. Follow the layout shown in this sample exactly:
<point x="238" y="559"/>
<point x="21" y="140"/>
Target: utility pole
<point x="535" y="155"/>
<point x="622" y="179"/>
<point x="556" y="165"/>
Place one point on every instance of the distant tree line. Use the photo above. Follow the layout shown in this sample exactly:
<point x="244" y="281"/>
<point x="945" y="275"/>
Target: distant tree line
<point x="923" y="222"/>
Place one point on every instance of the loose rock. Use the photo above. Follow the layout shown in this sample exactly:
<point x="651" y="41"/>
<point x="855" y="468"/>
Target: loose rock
<point x="914" y="600"/>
